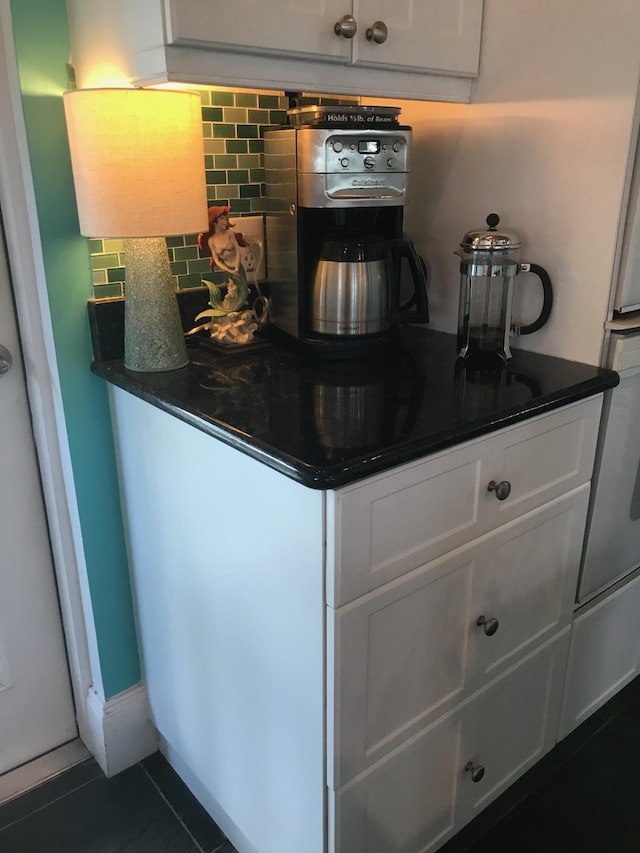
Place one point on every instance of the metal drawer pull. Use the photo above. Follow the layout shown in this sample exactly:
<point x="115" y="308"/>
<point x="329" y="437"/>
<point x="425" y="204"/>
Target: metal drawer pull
<point x="476" y="770"/>
<point x="490" y="625"/>
<point x="502" y="489"/>
<point x="346" y="27"/>
<point x="378" y="32"/>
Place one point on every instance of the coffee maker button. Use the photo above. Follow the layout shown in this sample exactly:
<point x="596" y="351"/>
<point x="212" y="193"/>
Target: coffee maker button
<point x="337" y="146"/>
<point x="397" y="145"/>
<point x="391" y="162"/>
<point x="369" y="162"/>
<point x="344" y="162"/>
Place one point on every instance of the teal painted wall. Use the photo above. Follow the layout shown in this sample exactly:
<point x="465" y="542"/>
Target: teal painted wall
<point x="42" y="46"/>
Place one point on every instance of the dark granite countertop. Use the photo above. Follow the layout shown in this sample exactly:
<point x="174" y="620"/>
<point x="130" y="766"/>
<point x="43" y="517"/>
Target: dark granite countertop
<point x="327" y="425"/>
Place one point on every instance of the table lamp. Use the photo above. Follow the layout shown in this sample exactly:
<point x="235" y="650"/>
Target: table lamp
<point x="138" y="167"/>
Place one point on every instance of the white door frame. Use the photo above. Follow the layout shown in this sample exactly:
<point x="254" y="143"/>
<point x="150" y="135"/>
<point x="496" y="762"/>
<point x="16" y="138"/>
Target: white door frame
<point x="17" y="200"/>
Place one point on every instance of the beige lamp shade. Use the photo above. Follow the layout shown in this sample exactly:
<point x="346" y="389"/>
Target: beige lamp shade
<point x="138" y="161"/>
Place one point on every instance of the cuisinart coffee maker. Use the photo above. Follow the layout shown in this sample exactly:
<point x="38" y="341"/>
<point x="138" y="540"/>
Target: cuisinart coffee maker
<point x="341" y="276"/>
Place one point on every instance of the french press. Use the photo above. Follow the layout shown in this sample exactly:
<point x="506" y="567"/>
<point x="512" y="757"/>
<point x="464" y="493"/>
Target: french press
<point x="488" y="269"/>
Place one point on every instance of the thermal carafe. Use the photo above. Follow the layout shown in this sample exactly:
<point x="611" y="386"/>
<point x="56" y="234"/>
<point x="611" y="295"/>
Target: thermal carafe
<point x="489" y="267"/>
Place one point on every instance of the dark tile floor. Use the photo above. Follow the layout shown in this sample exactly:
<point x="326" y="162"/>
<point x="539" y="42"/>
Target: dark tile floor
<point x="146" y="809"/>
<point x="584" y="797"/>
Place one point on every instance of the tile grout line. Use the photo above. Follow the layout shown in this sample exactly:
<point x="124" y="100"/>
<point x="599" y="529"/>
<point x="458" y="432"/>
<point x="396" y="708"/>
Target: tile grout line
<point x="47" y="804"/>
<point x="178" y="817"/>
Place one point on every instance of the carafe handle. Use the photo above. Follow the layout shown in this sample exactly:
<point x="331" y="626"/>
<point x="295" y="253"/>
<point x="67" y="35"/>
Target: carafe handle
<point x="547" y="299"/>
<point x="405" y="248"/>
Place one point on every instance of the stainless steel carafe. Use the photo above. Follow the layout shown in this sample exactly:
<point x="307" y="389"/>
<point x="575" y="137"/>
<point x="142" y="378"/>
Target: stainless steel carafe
<point x="356" y="287"/>
<point x="488" y="269"/>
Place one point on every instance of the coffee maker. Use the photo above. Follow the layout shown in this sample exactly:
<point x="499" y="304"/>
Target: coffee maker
<point x="341" y="277"/>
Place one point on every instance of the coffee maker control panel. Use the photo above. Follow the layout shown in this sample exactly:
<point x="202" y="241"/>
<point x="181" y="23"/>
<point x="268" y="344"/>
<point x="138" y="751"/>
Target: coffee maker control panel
<point x="368" y="154"/>
<point x="352" y="167"/>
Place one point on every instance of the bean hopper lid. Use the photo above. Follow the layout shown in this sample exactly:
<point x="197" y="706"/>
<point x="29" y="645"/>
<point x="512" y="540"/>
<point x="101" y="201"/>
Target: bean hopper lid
<point x="490" y="239"/>
<point x="348" y="115"/>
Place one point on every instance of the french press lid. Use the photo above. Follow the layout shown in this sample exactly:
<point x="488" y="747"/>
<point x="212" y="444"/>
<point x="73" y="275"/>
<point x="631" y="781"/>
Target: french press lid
<point x="490" y="239"/>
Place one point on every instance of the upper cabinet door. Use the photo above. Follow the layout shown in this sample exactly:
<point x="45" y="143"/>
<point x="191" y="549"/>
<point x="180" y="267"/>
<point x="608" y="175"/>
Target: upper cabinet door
<point x="304" y="27"/>
<point x="433" y="35"/>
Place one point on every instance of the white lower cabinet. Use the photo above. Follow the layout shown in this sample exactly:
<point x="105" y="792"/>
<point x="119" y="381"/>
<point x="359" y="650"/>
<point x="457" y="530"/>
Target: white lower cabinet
<point x="385" y="658"/>
<point x="417" y="797"/>
<point x="605" y="653"/>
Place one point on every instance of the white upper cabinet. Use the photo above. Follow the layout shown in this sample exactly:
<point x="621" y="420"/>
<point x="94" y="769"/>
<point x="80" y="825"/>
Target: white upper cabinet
<point x="297" y="28"/>
<point x="420" y="34"/>
<point x="426" y="49"/>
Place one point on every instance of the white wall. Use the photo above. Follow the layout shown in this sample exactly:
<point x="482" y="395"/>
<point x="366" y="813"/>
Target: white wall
<point x="545" y="145"/>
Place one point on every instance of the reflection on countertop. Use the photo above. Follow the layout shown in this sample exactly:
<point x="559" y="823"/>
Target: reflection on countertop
<point x="327" y="424"/>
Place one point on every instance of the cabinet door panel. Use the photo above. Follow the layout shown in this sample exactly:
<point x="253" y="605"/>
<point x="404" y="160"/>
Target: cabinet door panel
<point x="401" y="661"/>
<point x="605" y="653"/>
<point x="390" y="524"/>
<point x="405" y="804"/>
<point x="424" y="34"/>
<point x="399" y="521"/>
<point x="285" y="26"/>
<point x="528" y="582"/>
<point x="547" y="458"/>
<point x="511" y="725"/>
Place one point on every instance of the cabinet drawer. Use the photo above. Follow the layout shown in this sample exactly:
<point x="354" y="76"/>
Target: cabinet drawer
<point x="408" y="652"/>
<point x="421" y="794"/>
<point x="385" y="526"/>
<point x="604" y="655"/>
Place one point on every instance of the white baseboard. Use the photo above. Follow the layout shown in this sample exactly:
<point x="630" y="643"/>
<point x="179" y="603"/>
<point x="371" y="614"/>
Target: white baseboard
<point x="120" y="730"/>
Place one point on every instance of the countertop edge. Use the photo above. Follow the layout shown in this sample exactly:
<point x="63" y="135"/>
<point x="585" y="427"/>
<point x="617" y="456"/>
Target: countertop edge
<point x="330" y="477"/>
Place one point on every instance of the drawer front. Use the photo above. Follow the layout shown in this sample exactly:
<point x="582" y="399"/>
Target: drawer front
<point x="604" y="655"/>
<point x="410" y="651"/>
<point x="421" y="794"/>
<point x="379" y="529"/>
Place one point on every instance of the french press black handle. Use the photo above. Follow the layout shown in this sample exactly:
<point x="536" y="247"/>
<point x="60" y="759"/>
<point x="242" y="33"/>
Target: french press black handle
<point x="547" y="298"/>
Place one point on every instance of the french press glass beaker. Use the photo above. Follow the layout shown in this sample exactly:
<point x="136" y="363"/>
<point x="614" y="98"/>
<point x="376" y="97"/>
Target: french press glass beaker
<point x="488" y="269"/>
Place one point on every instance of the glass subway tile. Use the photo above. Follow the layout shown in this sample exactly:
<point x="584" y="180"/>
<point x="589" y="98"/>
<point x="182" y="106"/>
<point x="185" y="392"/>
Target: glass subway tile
<point x="216" y="177"/>
<point x="226" y="161"/>
<point x="269" y="101"/>
<point x="191" y="280"/>
<point x="102" y="262"/>
<point x="249" y="191"/>
<point x="259" y="116"/>
<point x="212" y="114"/>
<point x="236" y="146"/>
<point x="246" y="99"/>
<point x="247" y="131"/>
<point x="186" y="254"/>
<point x="237" y="176"/>
<point x="115" y="274"/>
<point x="214" y="146"/>
<point x="249" y="161"/>
<point x="223" y="99"/>
<point x="235" y="115"/>
<point x="224" y="131"/>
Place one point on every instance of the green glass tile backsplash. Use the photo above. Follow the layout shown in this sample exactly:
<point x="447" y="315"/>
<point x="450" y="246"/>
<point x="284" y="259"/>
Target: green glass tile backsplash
<point x="233" y="124"/>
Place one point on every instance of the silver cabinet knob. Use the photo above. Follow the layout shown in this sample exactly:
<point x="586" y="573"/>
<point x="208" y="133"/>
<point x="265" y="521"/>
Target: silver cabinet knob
<point x="378" y="32"/>
<point x="488" y="624"/>
<point x="346" y="27"/>
<point x="502" y="489"/>
<point x="476" y="771"/>
<point x="5" y="360"/>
